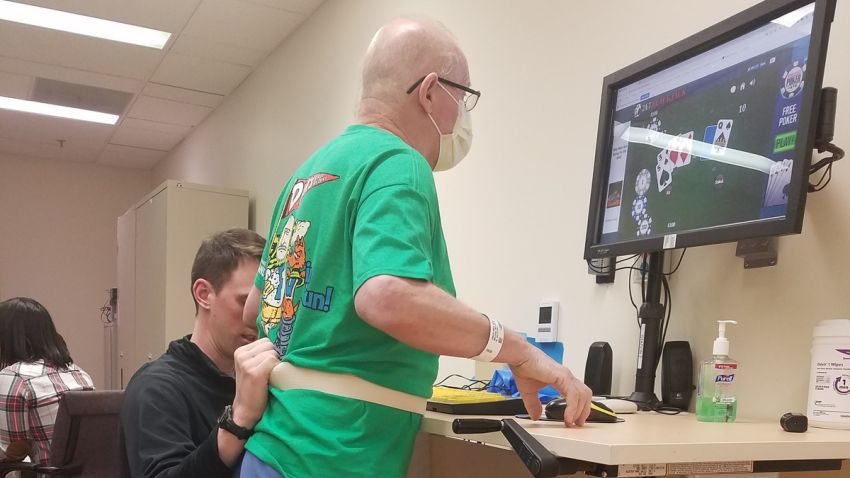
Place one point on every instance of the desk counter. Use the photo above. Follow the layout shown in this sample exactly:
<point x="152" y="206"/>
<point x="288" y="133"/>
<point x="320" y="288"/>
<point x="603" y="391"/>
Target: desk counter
<point x="652" y="438"/>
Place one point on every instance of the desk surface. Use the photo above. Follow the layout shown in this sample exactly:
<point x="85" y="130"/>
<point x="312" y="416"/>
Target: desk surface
<point x="648" y="437"/>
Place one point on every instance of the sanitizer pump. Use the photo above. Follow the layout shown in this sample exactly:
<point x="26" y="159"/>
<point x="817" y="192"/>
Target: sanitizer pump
<point x="716" y="400"/>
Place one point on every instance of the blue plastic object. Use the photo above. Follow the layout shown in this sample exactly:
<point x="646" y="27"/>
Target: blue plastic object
<point x="503" y="380"/>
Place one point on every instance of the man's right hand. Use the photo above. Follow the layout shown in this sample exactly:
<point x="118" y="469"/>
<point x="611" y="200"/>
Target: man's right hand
<point x="538" y="370"/>
<point x="254" y="363"/>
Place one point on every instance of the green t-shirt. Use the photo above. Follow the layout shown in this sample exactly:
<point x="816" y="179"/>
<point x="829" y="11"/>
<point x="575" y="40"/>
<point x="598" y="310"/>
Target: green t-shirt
<point x="363" y="205"/>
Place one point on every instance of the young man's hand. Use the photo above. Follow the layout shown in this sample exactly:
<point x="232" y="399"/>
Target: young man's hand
<point x="253" y="363"/>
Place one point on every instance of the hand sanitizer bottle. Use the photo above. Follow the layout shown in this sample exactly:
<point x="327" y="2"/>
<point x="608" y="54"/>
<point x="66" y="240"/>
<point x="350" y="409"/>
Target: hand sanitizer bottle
<point x="717" y="377"/>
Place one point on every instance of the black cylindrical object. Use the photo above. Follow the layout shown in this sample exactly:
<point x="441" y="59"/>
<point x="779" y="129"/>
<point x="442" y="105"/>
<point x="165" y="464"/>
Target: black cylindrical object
<point x="826" y="115"/>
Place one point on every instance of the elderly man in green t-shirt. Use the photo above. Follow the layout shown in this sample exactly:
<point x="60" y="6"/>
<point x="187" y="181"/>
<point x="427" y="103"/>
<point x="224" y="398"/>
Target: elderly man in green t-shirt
<point x="355" y="288"/>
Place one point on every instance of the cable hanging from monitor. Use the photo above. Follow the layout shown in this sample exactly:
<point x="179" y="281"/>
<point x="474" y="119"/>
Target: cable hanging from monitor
<point x="826" y="176"/>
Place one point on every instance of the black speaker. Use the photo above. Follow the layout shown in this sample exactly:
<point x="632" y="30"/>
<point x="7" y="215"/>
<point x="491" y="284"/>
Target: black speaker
<point x="677" y="374"/>
<point x="597" y="370"/>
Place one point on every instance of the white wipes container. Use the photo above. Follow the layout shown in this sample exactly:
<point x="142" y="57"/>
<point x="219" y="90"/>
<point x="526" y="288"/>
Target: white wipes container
<point x="829" y="386"/>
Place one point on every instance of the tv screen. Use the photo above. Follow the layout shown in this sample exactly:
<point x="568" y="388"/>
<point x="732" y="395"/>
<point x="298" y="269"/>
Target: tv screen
<point x="710" y="140"/>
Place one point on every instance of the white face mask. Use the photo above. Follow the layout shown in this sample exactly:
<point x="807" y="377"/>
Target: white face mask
<point x="455" y="145"/>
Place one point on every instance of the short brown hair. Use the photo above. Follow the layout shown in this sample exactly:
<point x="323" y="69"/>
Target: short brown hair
<point x="221" y="253"/>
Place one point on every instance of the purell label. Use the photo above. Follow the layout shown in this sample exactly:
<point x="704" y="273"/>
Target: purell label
<point x="724" y="378"/>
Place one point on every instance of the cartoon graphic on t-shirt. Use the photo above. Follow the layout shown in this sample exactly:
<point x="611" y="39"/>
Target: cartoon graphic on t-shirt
<point x="288" y="269"/>
<point x="285" y="272"/>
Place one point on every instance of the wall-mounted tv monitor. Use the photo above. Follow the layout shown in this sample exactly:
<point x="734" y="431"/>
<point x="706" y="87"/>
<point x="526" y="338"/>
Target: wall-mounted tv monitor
<point x="710" y="140"/>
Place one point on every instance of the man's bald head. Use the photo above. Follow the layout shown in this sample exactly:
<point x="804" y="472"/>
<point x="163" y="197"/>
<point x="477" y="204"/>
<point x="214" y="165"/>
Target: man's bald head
<point x="403" y="51"/>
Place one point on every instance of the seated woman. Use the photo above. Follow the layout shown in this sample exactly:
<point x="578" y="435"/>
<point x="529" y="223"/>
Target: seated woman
<point x="36" y="371"/>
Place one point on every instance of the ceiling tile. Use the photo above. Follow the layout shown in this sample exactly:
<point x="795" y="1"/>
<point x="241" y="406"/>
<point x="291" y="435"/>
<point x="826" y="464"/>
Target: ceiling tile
<point x="240" y="23"/>
<point x="200" y="74"/>
<point x="140" y="133"/>
<point x="130" y="157"/>
<point x="215" y="44"/>
<point x="42" y="45"/>
<point x="51" y="150"/>
<point x="154" y="126"/>
<point x="166" y="111"/>
<point x="61" y="73"/>
<point x="305" y="7"/>
<point x="47" y="129"/>
<point x="182" y="95"/>
<point x="15" y="86"/>
<point x="215" y="50"/>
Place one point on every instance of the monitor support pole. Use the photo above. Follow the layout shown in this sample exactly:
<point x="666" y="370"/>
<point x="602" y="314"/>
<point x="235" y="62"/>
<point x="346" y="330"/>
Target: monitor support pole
<point x="651" y="316"/>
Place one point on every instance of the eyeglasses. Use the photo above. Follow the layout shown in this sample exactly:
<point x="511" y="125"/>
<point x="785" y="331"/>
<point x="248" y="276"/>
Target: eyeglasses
<point x="470" y="96"/>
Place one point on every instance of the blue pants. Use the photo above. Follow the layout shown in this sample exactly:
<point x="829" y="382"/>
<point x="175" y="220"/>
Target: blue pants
<point x="252" y="467"/>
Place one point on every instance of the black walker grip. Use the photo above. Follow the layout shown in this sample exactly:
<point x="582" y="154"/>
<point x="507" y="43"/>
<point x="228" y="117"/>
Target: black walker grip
<point x="466" y="426"/>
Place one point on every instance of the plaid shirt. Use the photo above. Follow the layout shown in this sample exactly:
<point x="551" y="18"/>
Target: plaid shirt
<point x="29" y="400"/>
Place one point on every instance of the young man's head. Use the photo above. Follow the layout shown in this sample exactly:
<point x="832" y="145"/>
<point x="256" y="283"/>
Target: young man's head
<point x="222" y="276"/>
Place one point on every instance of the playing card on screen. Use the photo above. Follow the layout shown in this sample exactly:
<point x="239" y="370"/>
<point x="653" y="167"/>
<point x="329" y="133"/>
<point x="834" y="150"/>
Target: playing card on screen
<point x="721" y="136"/>
<point x="664" y="170"/>
<point x="680" y="149"/>
<point x="777" y="184"/>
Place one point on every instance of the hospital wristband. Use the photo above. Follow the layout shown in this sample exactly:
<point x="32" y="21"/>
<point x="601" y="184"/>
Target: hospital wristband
<point x="495" y="339"/>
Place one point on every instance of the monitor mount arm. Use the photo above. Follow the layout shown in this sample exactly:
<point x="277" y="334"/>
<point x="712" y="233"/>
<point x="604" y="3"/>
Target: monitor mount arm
<point x="651" y="315"/>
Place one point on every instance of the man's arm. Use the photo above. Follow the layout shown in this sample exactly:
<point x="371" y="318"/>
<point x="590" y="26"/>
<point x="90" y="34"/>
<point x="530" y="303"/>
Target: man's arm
<point x="254" y="363"/>
<point x="158" y="435"/>
<point x="422" y="315"/>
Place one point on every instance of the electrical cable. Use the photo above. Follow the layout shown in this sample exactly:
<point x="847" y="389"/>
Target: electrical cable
<point x="837" y="154"/>
<point x="106" y="314"/>
<point x="473" y="385"/>
<point x="678" y="263"/>
<point x="668" y="305"/>
<point x="826" y="175"/>
<point x="626" y="258"/>
<point x="631" y="297"/>
<point x="600" y="271"/>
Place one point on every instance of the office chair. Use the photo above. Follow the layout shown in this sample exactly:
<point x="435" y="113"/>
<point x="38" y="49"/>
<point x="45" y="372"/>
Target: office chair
<point x="86" y="438"/>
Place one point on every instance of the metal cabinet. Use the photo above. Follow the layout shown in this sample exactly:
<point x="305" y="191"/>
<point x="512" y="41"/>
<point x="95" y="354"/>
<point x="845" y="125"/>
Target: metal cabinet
<point x="157" y="242"/>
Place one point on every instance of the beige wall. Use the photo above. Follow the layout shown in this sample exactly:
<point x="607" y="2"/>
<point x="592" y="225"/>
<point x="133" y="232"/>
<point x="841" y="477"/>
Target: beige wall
<point x="58" y="243"/>
<point x="515" y="211"/>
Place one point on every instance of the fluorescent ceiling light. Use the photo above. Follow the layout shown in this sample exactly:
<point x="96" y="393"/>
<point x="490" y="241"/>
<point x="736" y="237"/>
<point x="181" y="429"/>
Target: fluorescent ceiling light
<point x="82" y="25"/>
<point x="56" y="110"/>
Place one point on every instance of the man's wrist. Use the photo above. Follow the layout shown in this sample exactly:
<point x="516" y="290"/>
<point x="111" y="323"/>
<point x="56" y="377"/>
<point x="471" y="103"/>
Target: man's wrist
<point x="495" y="341"/>
<point x="516" y="350"/>
<point x="241" y="418"/>
<point x="237" y="425"/>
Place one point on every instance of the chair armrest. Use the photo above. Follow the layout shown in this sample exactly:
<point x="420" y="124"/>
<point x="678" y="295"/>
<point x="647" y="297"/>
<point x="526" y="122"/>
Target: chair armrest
<point x="7" y="467"/>
<point x="67" y="470"/>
